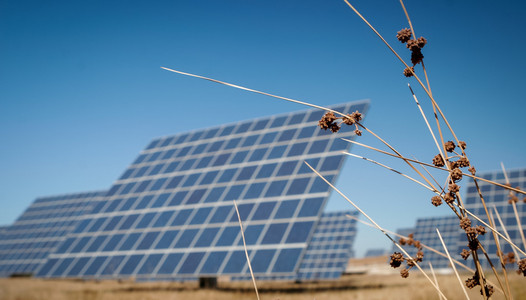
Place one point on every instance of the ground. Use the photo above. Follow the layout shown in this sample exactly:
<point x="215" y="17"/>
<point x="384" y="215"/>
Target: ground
<point x="368" y="287"/>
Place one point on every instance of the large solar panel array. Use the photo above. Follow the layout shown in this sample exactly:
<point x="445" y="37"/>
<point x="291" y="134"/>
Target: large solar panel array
<point x="26" y="244"/>
<point x="171" y="214"/>
<point x="455" y="237"/>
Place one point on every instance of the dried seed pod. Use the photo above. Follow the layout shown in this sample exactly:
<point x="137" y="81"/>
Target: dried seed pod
<point x="404" y="35"/>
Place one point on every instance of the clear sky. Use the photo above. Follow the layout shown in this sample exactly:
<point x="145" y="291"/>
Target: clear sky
<point x="82" y="92"/>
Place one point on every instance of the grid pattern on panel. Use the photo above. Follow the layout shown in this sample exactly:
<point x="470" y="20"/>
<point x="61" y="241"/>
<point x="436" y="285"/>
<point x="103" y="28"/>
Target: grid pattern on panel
<point x="330" y="248"/>
<point x="26" y="244"/>
<point x="425" y="232"/>
<point x="171" y="216"/>
<point x="497" y="197"/>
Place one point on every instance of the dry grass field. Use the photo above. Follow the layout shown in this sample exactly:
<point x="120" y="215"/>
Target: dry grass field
<point x="349" y="287"/>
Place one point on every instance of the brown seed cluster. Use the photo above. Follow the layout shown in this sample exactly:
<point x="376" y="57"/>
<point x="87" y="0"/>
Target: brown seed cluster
<point x="475" y="280"/>
<point x="408" y="72"/>
<point x="489" y="290"/>
<point x="512" y="196"/>
<point x="509" y="258"/>
<point x="450" y="146"/>
<point x="438" y="161"/>
<point x="465" y="253"/>
<point x="414" y="45"/>
<point x="450" y="195"/>
<point x="465" y="223"/>
<point x="436" y="200"/>
<point x="329" y="121"/>
<point x="522" y="266"/>
<point x="397" y="258"/>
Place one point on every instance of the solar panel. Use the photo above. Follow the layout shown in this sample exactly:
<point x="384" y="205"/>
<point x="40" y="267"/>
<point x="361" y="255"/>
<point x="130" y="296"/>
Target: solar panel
<point x="26" y="244"/>
<point x="455" y="238"/>
<point x="426" y="233"/>
<point x="171" y="216"/>
<point x="497" y="197"/>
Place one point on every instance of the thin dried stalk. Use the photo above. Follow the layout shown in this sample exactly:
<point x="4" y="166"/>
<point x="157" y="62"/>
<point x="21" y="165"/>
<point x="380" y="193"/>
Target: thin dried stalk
<point x="500" y="254"/>
<point x="253" y="91"/>
<point x="376" y="225"/>
<point x="460" y="264"/>
<point x="407" y="66"/>
<point x="493" y="230"/>
<point x="517" y="218"/>
<point x="504" y="230"/>
<point x="425" y="119"/>
<point x="435" y="167"/>
<point x="452" y="264"/>
<point x="434" y="277"/>
<point x="391" y="169"/>
<point x="299" y="102"/>
<point x="246" y="251"/>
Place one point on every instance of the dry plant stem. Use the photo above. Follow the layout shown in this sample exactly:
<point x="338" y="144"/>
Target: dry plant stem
<point x="399" y="155"/>
<point x="482" y="277"/>
<point x="501" y="259"/>
<point x="246" y="251"/>
<point x="407" y="66"/>
<point x="452" y="264"/>
<point x="514" y="207"/>
<point x="493" y="269"/>
<point x="427" y="78"/>
<point x="434" y="277"/>
<point x="253" y="91"/>
<point x="408" y="19"/>
<point x="475" y="255"/>
<point x="504" y="230"/>
<point x="391" y="169"/>
<point x="490" y="219"/>
<point x="414" y="35"/>
<point x="333" y="111"/>
<point x="460" y="264"/>
<point x="435" y="167"/>
<point x="429" y="174"/>
<point x="493" y="230"/>
<point x="375" y="225"/>
<point x="299" y="102"/>
<point x="425" y="119"/>
<point x="519" y="223"/>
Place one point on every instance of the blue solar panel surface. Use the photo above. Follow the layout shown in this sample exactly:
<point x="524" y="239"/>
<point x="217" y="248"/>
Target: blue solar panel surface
<point x="26" y="244"/>
<point x="171" y="216"/>
<point x="330" y="248"/>
<point x="454" y="236"/>
<point x="497" y="197"/>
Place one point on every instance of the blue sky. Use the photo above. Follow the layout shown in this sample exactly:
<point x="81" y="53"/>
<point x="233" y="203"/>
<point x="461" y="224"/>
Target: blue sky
<point x="82" y="92"/>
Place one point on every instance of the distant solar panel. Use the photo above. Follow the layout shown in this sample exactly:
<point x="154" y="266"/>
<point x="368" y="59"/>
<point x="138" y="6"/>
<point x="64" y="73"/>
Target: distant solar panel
<point x="426" y="233"/>
<point x="26" y="244"/>
<point x="497" y="197"/>
<point x="171" y="215"/>
<point x="455" y="238"/>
